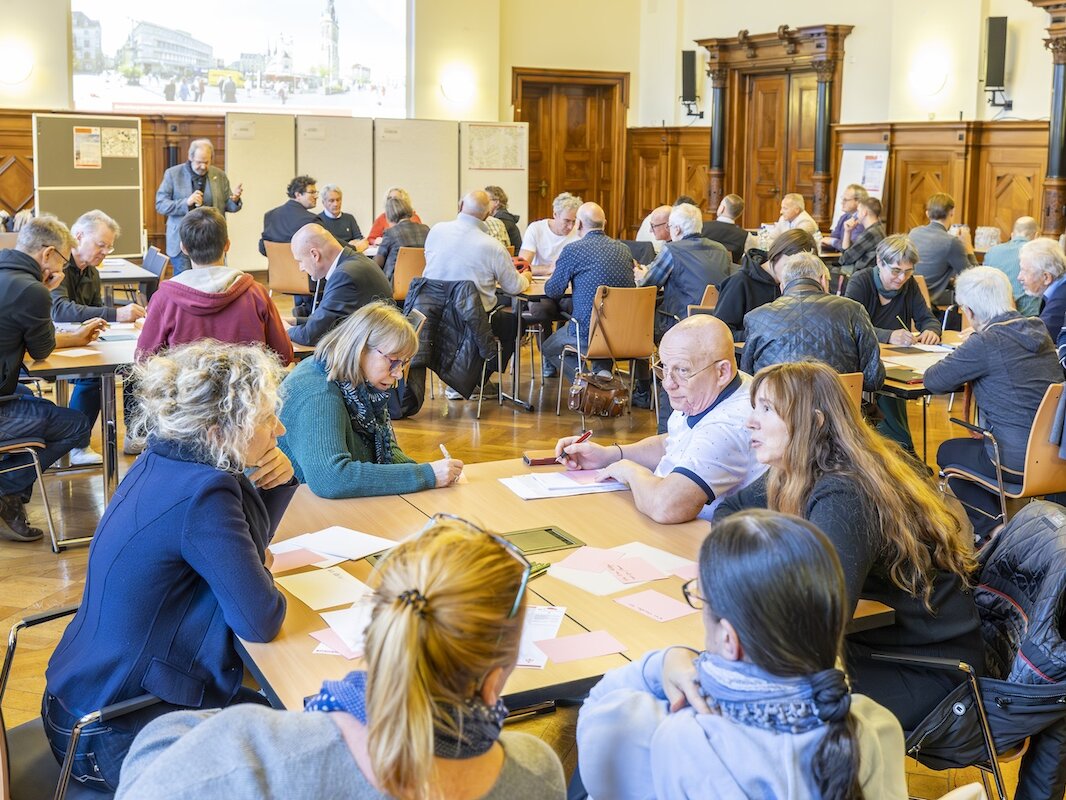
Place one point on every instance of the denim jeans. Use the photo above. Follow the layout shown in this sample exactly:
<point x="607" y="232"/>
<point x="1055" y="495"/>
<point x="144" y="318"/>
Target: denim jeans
<point x="30" y="417"/>
<point x="179" y="263"/>
<point x="86" y="399"/>
<point x="553" y="348"/>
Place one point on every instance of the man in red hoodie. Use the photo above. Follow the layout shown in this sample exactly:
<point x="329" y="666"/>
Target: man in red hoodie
<point x="209" y="301"/>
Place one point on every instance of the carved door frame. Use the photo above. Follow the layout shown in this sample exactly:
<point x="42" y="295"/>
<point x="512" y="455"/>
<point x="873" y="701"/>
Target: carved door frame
<point x="817" y="48"/>
<point x="617" y="84"/>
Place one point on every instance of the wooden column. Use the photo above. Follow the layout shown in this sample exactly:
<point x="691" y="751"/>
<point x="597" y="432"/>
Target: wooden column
<point x="824" y="69"/>
<point x="716" y="172"/>
<point x="1054" y="204"/>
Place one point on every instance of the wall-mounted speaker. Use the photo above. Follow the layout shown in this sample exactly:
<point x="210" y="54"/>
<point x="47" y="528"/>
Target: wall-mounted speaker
<point x="688" y="76"/>
<point x="996" y="60"/>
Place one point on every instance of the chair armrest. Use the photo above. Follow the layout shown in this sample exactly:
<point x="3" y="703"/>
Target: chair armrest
<point x="969" y="427"/>
<point x="48" y="616"/>
<point x="125" y="707"/>
<point x="931" y="662"/>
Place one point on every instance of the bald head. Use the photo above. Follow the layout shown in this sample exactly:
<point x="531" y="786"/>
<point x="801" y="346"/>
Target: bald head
<point x="591" y="217"/>
<point x="697" y="362"/>
<point x="701" y="334"/>
<point x="476" y="204"/>
<point x="315" y="249"/>
<point x="659" y="220"/>
<point x="1025" y="228"/>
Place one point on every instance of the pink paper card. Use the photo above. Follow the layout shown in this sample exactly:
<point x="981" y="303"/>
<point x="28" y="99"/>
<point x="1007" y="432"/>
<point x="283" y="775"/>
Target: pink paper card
<point x="293" y="559"/>
<point x="634" y="569"/>
<point x="330" y="639"/>
<point x="588" y="559"/>
<point x="579" y="646"/>
<point x="687" y="572"/>
<point x="586" y="477"/>
<point x="656" y="605"/>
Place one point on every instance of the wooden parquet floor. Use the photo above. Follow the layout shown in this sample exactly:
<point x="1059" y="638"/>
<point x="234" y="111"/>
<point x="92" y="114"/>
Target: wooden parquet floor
<point x="33" y="579"/>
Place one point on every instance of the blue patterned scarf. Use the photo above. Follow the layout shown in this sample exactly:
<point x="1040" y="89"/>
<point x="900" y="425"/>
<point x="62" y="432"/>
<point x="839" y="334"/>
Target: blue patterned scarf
<point x="368" y="410"/>
<point x="749" y="695"/>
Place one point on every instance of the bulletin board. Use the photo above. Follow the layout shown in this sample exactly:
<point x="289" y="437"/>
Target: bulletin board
<point x="496" y="154"/>
<point x="866" y="165"/>
<point x="339" y="150"/>
<point x="83" y="162"/>
<point x="422" y="156"/>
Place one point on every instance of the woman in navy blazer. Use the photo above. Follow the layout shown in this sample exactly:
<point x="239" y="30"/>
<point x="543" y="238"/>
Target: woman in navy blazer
<point x="177" y="565"/>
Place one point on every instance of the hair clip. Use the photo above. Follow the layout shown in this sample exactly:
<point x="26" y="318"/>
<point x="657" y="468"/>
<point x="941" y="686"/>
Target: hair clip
<point x="415" y="599"/>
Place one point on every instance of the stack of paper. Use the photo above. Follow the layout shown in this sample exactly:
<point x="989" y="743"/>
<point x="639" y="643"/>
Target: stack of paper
<point x="346" y="634"/>
<point x="342" y="542"/>
<point x="324" y="588"/>
<point x="542" y="622"/>
<point x="560" y="484"/>
<point x="604" y="572"/>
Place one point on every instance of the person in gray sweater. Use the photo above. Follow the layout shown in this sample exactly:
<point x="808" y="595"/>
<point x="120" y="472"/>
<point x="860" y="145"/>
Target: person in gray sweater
<point x="1010" y="361"/>
<point x="455" y="590"/>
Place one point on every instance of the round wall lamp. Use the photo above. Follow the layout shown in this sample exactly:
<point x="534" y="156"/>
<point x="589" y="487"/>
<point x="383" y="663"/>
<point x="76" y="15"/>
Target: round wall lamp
<point x="18" y="61"/>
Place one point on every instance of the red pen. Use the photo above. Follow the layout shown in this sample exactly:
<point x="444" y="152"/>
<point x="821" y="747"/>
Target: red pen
<point x="580" y="440"/>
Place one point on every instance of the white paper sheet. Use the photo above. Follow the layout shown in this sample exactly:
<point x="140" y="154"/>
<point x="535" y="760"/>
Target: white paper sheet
<point x="350" y="623"/>
<point x="75" y="352"/>
<point x="528" y="488"/>
<point x="324" y="588"/>
<point x="288" y="546"/>
<point x="344" y="542"/>
<point x="542" y="622"/>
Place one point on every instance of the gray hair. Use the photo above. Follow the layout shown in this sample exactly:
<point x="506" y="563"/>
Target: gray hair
<point x="396" y="208"/>
<point x="734" y="205"/>
<point x="687" y="218"/>
<point x="41" y="232"/>
<point x="376" y="325"/>
<point x="803" y="265"/>
<point x="796" y="199"/>
<point x="986" y="291"/>
<point x="1045" y="255"/>
<point x="330" y="187"/>
<point x="196" y="144"/>
<point x="92" y="221"/>
<point x="858" y="190"/>
<point x="897" y="249"/>
<point x="400" y="192"/>
<point x="1026" y="228"/>
<point x="208" y="396"/>
<point x="565" y="202"/>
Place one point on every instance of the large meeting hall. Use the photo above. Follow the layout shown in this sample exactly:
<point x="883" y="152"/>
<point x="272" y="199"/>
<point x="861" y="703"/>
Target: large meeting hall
<point x="602" y="399"/>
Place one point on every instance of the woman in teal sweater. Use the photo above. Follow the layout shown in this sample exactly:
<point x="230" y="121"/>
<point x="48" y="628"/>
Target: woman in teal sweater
<point x="336" y="411"/>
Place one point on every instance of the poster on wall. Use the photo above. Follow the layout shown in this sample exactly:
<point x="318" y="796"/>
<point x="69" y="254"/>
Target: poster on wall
<point x="87" y="153"/>
<point x="119" y="142"/>
<point x="873" y="173"/>
<point x="496" y="147"/>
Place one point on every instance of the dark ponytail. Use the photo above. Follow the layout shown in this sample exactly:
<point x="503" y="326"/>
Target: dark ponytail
<point x="797" y="626"/>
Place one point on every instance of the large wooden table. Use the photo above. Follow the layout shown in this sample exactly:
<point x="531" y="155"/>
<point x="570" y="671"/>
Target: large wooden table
<point x="121" y="272"/>
<point x="289" y="671"/>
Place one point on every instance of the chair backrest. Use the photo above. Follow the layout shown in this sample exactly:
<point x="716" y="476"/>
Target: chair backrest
<point x="1045" y="472"/>
<point x="8" y="240"/>
<point x="708" y="303"/>
<point x="626" y="319"/>
<point x="923" y="287"/>
<point x="283" y="273"/>
<point x="410" y="263"/>
<point x="155" y="261"/>
<point x="853" y="386"/>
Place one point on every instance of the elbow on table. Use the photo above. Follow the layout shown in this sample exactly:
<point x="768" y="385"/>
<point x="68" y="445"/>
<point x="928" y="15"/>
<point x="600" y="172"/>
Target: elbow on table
<point x="668" y="513"/>
<point x="264" y="629"/>
<point x="328" y="487"/>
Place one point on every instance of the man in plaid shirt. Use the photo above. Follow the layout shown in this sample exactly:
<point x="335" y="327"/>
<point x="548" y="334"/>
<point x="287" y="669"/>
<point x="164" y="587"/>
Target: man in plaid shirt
<point x="862" y="252"/>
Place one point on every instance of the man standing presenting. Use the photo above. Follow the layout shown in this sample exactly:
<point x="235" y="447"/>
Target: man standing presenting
<point x="191" y="185"/>
<point x="78" y="299"/>
<point x="27" y="274"/>
<point x="340" y="223"/>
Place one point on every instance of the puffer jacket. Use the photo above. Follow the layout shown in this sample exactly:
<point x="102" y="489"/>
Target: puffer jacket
<point x="808" y="323"/>
<point x="743" y="291"/>
<point x="1019" y="598"/>
<point x="455" y="339"/>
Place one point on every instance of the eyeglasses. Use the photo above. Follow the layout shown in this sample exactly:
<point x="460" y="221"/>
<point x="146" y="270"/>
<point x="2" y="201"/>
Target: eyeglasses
<point x="65" y="258"/>
<point x="681" y="375"/>
<point x="108" y="249"/>
<point x="692" y="597"/>
<point x="895" y="272"/>
<point x="509" y="546"/>
<point x="394" y="363"/>
<point x="655" y="225"/>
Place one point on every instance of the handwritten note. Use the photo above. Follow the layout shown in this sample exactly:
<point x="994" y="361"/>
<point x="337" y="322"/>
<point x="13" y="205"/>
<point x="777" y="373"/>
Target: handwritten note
<point x="634" y="569"/>
<point x="333" y="645"/>
<point x="590" y="559"/>
<point x="542" y="622"/>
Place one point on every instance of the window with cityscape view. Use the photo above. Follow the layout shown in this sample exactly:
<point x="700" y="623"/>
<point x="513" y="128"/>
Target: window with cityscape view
<point x="326" y="56"/>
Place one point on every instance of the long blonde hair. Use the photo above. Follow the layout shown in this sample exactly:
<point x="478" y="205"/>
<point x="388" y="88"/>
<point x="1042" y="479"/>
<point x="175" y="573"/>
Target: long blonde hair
<point x="435" y="651"/>
<point x="828" y="436"/>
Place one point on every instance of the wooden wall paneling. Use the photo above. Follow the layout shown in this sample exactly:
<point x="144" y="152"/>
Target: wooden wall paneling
<point x="692" y="165"/>
<point x="803" y="109"/>
<point x="1011" y="164"/>
<point x="662" y="163"/>
<point x="16" y="161"/>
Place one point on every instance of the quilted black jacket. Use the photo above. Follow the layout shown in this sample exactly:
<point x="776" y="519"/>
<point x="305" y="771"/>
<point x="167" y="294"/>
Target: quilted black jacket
<point x="455" y="339"/>
<point x="808" y="323"/>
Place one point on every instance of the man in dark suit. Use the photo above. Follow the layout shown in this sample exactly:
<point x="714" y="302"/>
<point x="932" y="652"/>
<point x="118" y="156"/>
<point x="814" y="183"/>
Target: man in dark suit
<point x="1042" y="273"/>
<point x="727" y="231"/>
<point x="351" y="281"/>
<point x="279" y="224"/>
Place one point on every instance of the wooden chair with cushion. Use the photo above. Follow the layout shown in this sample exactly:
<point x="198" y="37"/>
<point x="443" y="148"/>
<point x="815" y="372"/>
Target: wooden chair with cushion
<point x="283" y="273"/>
<point x="1044" y="472"/>
<point x="410" y="264"/>
<point x="626" y="319"/>
<point x="923" y="287"/>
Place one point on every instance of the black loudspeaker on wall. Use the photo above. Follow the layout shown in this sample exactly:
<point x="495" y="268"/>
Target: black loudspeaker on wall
<point x="688" y="76"/>
<point x="995" y="63"/>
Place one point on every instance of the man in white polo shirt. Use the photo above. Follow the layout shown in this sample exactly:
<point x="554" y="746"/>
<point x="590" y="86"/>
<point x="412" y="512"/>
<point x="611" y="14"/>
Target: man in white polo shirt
<point x="706" y="453"/>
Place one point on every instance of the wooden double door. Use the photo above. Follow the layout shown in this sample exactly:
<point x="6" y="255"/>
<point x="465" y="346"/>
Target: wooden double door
<point x="576" y="136"/>
<point x="778" y="144"/>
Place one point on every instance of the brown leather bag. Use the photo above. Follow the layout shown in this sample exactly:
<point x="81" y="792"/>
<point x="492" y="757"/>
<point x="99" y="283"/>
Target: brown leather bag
<point x="594" y="396"/>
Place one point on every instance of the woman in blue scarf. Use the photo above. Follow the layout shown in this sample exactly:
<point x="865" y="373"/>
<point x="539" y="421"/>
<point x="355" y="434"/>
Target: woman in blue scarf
<point x="764" y="710"/>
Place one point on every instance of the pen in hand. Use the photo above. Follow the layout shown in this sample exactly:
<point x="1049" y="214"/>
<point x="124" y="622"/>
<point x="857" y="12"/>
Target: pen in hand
<point x="561" y="458"/>
<point x="444" y="451"/>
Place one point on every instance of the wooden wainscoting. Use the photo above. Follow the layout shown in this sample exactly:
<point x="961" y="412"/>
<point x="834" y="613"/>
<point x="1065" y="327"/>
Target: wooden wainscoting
<point x="662" y="163"/>
<point x="994" y="170"/>
<point x="157" y="133"/>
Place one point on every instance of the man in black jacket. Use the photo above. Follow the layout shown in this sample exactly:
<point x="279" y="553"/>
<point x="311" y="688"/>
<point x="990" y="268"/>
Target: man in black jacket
<point x="808" y="322"/>
<point x="727" y="231"/>
<point x="281" y="223"/>
<point x="351" y="281"/>
<point x="27" y="274"/>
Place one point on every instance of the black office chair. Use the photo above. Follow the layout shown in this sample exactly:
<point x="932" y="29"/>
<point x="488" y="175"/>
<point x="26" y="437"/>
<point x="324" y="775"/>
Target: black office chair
<point x="643" y="252"/>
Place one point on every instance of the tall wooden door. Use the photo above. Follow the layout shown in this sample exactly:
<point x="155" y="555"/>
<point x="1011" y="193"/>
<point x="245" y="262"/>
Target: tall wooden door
<point x="779" y="154"/>
<point x="574" y="145"/>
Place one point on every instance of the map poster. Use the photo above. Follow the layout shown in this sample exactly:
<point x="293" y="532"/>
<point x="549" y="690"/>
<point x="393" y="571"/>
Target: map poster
<point x="87" y="148"/>
<point x="496" y="147"/>
<point x="119" y="142"/>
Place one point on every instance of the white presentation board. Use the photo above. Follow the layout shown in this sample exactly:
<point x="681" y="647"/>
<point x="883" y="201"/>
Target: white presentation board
<point x="261" y="155"/>
<point x="866" y="165"/>
<point x="339" y="150"/>
<point x="422" y="156"/>
<point x="497" y="154"/>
